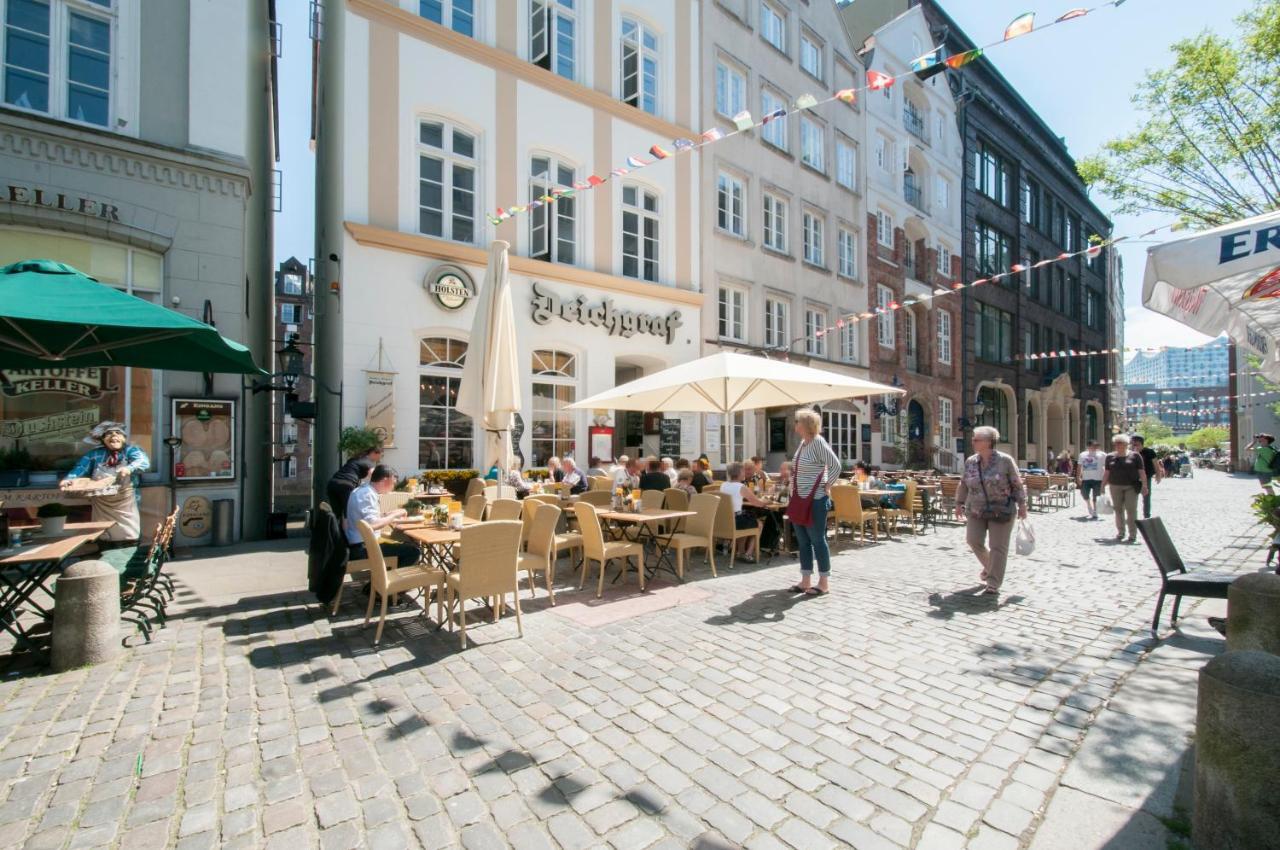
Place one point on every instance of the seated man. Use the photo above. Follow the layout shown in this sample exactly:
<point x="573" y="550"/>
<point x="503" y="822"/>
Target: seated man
<point x="515" y="479"/>
<point x="627" y="475"/>
<point x="573" y="476"/>
<point x="654" y="478"/>
<point x="363" y="505"/>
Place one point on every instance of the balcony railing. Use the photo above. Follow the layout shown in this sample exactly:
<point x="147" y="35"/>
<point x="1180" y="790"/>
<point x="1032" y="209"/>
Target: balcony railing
<point x="914" y="195"/>
<point x="913" y="123"/>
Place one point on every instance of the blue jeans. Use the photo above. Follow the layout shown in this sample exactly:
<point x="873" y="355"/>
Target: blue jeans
<point x="812" y="539"/>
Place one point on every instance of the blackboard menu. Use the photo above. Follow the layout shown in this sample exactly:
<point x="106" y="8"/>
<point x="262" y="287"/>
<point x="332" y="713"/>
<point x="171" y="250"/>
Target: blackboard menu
<point x="669" y="442"/>
<point x="778" y="434"/>
<point x="634" y="433"/>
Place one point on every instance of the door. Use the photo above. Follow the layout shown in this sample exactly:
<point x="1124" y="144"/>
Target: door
<point x="917" y="455"/>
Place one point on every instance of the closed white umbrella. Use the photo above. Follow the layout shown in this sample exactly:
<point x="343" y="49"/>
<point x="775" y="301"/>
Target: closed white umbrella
<point x="1223" y="280"/>
<point x="728" y="382"/>
<point x="490" y="388"/>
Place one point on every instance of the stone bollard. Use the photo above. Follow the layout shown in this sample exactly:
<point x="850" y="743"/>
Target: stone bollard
<point x="1253" y="613"/>
<point x="86" y="616"/>
<point x="1237" y="752"/>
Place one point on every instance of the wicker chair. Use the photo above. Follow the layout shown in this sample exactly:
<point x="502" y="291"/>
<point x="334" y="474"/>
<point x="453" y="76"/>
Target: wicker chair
<point x="698" y="530"/>
<point x="475" y="487"/>
<point x="724" y="528"/>
<point x="652" y="499"/>
<point x="384" y="582"/>
<point x="486" y="570"/>
<point x="504" y="509"/>
<point x="596" y="498"/>
<point x="848" y="511"/>
<point x="475" y="507"/>
<point x="600" y="482"/>
<point x="675" y="499"/>
<point x="540" y="552"/>
<point x="354" y="567"/>
<point x="596" y="548"/>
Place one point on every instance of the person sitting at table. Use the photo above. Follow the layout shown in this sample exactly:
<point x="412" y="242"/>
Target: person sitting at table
<point x="597" y="469"/>
<point x="116" y="459"/>
<point x="701" y="473"/>
<point x="737" y="490"/>
<point x="783" y="484"/>
<point x="348" y="478"/>
<point x="627" y="476"/>
<point x="669" y="469"/>
<point x="754" y="475"/>
<point x="866" y="481"/>
<point x="515" y="479"/>
<point x="684" y="481"/>
<point x="572" y="476"/>
<point x="654" y="478"/>
<point x="365" y="505"/>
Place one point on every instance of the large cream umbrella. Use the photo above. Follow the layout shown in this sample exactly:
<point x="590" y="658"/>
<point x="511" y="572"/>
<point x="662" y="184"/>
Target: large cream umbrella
<point x="728" y="382"/>
<point x="490" y="388"/>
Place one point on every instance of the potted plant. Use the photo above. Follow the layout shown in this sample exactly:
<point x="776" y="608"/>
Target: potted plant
<point x="440" y="515"/>
<point x="356" y="441"/>
<point x="413" y="507"/>
<point x="53" y="517"/>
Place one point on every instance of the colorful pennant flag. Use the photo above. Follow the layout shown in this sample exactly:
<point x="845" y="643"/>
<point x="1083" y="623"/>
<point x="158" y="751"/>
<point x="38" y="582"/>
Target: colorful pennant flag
<point x="877" y="81"/>
<point x="634" y="162"/>
<point x="1074" y="13"/>
<point x="715" y="134"/>
<point x="1020" y="25"/>
<point x="806" y="101"/>
<point x="743" y="120"/>
<point x="928" y="65"/>
<point x="847" y="95"/>
<point x="961" y="59"/>
<point x="659" y="152"/>
<point x="683" y="145"/>
<point x="773" y="116"/>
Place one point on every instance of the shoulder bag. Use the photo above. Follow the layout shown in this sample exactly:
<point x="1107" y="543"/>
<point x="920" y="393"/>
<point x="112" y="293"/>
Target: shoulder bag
<point x="989" y="513"/>
<point x="800" y="508"/>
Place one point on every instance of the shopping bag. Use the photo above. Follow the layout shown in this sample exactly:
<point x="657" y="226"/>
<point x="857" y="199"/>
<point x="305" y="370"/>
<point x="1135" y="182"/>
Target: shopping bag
<point x="1026" y="542"/>
<point x="1105" y="506"/>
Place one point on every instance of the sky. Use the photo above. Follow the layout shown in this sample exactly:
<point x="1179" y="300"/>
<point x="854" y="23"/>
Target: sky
<point x="1079" y="76"/>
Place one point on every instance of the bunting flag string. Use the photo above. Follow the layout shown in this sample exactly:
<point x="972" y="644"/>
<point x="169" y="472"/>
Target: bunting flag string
<point x="1105" y="381"/>
<point x="1164" y="405"/>
<point x="1107" y="352"/>
<point x="923" y="67"/>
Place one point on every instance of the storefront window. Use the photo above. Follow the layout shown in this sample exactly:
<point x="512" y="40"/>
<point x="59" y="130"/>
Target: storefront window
<point x="444" y="434"/>
<point x="555" y="387"/>
<point x="45" y="413"/>
<point x="733" y="437"/>
<point x="841" y="430"/>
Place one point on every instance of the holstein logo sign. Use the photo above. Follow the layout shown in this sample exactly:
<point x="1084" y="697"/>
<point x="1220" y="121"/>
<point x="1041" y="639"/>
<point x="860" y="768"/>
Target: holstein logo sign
<point x="623" y="323"/>
<point x="90" y="382"/>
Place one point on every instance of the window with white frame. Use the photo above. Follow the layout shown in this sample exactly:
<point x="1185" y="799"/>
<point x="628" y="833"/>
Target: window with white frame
<point x="733" y="436"/>
<point x="813" y="144"/>
<point x="731" y="88"/>
<point x="912" y="346"/>
<point x="885" y="332"/>
<point x="848" y="253"/>
<point x="444" y="434"/>
<point x="457" y="15"/>
<point x="732" y="305"/>
<point x="292" y="283"/>
<point x="555" y="387"/>
<point x="777" y="323"/>
<point x="773" y="25"/>
<point x="815" y="332"/>
<point x="639" y="65"/>
<point x="58" y="58"/>
<point x="946" y="437"/>
<point x="942" y="191"/>
<point x="939" y="128"/>
<point x="775" y="223"/>
<point x="814" y="238"/>
<point x="775" y="132"/>
<point x="882" y="153"/>
<point x="840" y="427"/>
<point x="943" y="260"/>
<point x="446" y="182"/>
<point x="291" y="314"/>
<point x="553" y="36"/>
<point x="553" y="227"/>
<point x="944" y="337"/>
<point x="849" y="342"/>
<point x="884" y="228"/>
<point x="729" y="198"/>
<point x="640" y="225"/>
<point x="846" y="163"/>
<point x="811" y="56"/>
<point x="889" y="426"/>
<point x="288" y="467"/>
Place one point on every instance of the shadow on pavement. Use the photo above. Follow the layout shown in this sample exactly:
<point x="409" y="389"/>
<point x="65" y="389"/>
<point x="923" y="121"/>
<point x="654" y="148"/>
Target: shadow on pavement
<point x="968" y="601"/>
<point x="767" y="606"/>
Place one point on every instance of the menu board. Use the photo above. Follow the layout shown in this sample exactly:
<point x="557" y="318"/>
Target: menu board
<point x="669" y="442"/>
<point x="207" y="429"/>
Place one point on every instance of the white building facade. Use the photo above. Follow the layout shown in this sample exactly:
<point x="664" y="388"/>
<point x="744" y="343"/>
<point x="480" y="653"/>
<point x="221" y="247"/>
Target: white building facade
<point x="452" y="110"/>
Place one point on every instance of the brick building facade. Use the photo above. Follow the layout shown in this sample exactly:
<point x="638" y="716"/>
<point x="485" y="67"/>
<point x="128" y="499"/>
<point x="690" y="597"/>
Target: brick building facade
<point x="291" y="438"/>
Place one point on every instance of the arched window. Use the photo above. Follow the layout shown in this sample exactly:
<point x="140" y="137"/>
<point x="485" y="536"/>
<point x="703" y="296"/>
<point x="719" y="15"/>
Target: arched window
<point x="444" y="435"/>
<point x="555" y="387"/>
<point x="446" y="181"/>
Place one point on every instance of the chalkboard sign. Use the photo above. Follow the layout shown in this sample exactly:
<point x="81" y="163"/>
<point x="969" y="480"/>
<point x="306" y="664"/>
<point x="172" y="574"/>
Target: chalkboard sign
<point x="669" y="443"/>
<point x="778" y="434"/>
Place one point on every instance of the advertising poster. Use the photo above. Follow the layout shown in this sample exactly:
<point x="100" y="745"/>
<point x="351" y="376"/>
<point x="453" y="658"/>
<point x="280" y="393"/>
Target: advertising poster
<point x="380" y="411"/>
<point x="207" y="429"/>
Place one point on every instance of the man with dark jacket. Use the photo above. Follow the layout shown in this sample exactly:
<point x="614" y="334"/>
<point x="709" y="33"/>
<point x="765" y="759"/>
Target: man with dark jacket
<point x="1155" y="471"/>
<point x="348" y="478"/>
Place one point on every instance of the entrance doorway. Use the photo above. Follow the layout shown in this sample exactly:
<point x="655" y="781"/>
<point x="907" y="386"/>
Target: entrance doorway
<point x="917" y="451"/>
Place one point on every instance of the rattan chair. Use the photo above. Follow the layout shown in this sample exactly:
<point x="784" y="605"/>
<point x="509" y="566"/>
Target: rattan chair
<point x="676" y="500"/>
<point x="385" y="582"/>
<point x="596" y="548"/>
<point x="724" y="528"/>
<point x="475" y="487"/>
<point x="388" y="502"/>
<point x="474" y="507"/>
<point x="600" y="482"/>
<point x="548" y="498"/>
<point x="540" y="551"/>
<point x="697" y="533"/>
<point x="504" y="509"/>
<point x="848" y="511"/>
<point x="652" y="499"/>
<point x="596" y="498"/>
<point x="354" y="567"/>
<point x="486" y="570"/>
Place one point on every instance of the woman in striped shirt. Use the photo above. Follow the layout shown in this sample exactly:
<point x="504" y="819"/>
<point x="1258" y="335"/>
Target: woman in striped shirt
<point x="816" y="467"/>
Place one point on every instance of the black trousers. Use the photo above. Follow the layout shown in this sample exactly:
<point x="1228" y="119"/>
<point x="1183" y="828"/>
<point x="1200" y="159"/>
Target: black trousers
<point x="406" y="554"/>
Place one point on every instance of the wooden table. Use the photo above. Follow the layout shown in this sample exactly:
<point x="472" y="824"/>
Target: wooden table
<point x="646" y="523"/>
<point x="24" y="570"/>
<point x="437" y="543"/>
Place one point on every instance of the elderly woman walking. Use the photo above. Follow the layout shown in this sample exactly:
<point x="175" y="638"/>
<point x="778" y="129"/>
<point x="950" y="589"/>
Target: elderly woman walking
<point x="1125" y="479"/>
<point x="990" y="493"/>
<point x="816" y="467"/>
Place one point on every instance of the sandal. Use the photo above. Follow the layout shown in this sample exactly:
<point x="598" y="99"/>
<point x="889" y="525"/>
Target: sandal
<point x="815" y="591"/>
<point x="795" y="588"/>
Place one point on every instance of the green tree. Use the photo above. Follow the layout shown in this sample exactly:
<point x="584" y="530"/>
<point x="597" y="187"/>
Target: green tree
<point x="1207" y="438"/>
<point x="1207" y="150"/>
<point x="1153" y="431"/>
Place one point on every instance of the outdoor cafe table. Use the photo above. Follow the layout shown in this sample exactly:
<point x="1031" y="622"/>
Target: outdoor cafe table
<point x="646" y="523"/>
<point x="25" y="570"/>
<point x="437" y="542"/>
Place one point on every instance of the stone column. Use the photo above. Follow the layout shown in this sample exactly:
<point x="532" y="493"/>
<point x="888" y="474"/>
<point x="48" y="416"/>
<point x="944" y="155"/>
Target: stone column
<point x="86" y="616"/>
<point x="1253" y="613"/>
<point x="1238" y="752"/>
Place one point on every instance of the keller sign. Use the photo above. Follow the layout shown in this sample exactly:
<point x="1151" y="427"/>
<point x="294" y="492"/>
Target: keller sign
<point x="89" y="382"/>
<point x="32" y="196"/>
<point x="623" y="323"/>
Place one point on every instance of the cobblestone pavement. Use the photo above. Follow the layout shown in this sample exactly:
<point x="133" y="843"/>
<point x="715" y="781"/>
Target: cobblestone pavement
<point x="898" y="711"/>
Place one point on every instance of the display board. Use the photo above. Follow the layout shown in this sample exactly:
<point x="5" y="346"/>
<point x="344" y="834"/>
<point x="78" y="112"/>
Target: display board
<point x="207" y="429"/>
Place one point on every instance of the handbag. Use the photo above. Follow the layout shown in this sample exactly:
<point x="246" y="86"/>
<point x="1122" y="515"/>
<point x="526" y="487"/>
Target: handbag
<point x="989" y="513"/>
<point x="800" y="508"/>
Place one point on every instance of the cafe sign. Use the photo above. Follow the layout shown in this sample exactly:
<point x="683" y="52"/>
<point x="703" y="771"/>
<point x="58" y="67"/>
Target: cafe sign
<point x="604" y="314"/>
<point x="90" y="382"/>
<point x="451" y="286"/>
<point x="36" y="196"/>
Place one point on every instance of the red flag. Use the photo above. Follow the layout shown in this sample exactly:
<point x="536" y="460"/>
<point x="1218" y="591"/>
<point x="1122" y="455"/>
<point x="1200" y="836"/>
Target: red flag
<point x="877" y="81"/>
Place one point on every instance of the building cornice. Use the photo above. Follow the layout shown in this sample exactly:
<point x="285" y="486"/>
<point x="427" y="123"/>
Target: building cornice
<point x="425" y="246"/>
<point x="420" y="28"/>
<point x="69" y="145"/>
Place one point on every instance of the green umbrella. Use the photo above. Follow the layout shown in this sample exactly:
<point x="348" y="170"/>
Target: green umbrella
<point x="54" y="315"/>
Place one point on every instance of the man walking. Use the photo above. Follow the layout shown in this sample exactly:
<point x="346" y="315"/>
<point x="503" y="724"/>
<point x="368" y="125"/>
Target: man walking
<point x="1154" y="471"/>
<point x="1264" y="458"/>
<point x="1089" y="471"/>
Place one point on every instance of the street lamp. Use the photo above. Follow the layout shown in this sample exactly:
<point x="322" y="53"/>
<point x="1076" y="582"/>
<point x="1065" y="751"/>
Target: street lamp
<point x="290" y="361"/>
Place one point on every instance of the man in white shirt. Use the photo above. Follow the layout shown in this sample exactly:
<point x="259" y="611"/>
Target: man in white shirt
<point x="1089" y="472"/>
<point x="573" y="477"/>
<point x="628" y="475"/>
<point x="669" y="467"/>
<point x="364" y="505"/>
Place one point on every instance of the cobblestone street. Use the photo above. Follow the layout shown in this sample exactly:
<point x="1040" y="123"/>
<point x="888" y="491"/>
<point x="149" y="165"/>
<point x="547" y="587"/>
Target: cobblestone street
<point x="899" y="711"/>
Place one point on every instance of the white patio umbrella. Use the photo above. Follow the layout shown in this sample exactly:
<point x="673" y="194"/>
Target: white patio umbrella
<point x="728" y="382"/>
<point x="490" y="388"/>
<point x="1225" y="279"/>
